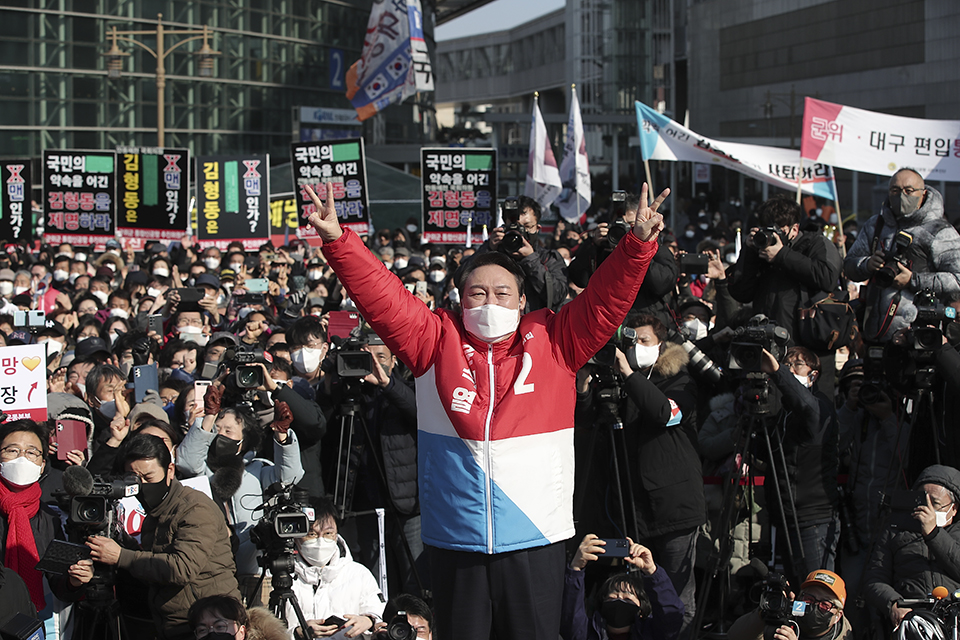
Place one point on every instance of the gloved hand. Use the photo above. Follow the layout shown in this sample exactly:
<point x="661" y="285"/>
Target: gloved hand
<point x="212" y="399"/>
<point x="282" y="417"/>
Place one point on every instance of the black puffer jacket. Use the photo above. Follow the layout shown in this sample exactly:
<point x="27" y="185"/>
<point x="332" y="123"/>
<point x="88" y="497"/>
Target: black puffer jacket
<point x="14" y="597"/>
<point x="805" y="270"/>
<point x="660" y="419"/>
<point x="909" y="565"/>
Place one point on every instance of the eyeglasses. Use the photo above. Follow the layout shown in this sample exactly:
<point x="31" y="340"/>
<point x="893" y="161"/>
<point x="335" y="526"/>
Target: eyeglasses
<point x="220" y="626"/>
<point x="12" y="452"/>
<point x="794" y="365"/>
<point x="191" y="322"/>
<point x="895" y="191"/>
<point x="825" y="606"/>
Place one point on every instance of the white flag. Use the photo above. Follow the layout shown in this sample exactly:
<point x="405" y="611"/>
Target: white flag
<point x="543" y="178"/>
<point x="575" y="167"/>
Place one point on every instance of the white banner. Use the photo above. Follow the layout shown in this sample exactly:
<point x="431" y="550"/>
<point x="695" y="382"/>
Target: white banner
<point x="23" y="382"/>
<point x="543" y="177"/>
<point x="575" y="167"/>
<point x="663" y="139"/>
<point x="879" y="143"/>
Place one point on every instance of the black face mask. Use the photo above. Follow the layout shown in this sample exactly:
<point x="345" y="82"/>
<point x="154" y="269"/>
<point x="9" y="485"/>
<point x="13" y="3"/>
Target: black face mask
<point x="222" y="450"/>
<point x="619" y="613"/>
<point x="152" y="494"/>
<point x="814" y="622"/>
<point x="214" y="635"/>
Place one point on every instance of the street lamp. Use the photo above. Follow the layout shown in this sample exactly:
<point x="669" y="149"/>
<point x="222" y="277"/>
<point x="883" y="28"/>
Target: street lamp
<point x="115" y="58"/>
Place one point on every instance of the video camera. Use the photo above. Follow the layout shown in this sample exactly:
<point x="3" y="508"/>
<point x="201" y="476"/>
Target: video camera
<point x="893" y="259"/>
<point x="91" y="501"/>
<point x="245" y="363"/>
<point x="286" y="516"/>
<point x="352" y="361"/>
<point x="776" y="608"/>
<point x="618" y="227"/>
<point x="606" y="378"/>
<point x="513" y="233"/>
<point x="750" y="341"/>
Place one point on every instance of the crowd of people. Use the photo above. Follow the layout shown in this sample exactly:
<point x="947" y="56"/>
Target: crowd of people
<point x="472" y="430"/>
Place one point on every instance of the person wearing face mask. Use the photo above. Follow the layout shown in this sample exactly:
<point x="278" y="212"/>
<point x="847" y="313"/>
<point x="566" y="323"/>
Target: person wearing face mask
<point x="495" y="405"/>
<point x="824" y="595"/>
<point x="185" y="540"/>
<point x="659" y="415"/>
<point x="223" y="448"/>
<point x="211" y="259"/>
<point x="225" y="618"/>
<point x="909" y="562"/>
<point x="809" y="433"/>
<point x="401" y="258"/>
<point x="103" y="383"/>
<point x="6" y="283"/>
<point x="327" y="581"/>
<point x="545" y="277"/>
<point x="640" y="605"/>
<point x="307" y="340"/>
<point x="931" y="261"/>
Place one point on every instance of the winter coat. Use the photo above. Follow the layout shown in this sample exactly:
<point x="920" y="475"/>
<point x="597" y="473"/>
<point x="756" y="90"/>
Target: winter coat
<point x="936" y="243"/>
<point x="660" y="419"/>
<point x="14" y="596"/>
<point x="258" y="474"/>
<point x="186" y="556"/>
<point x="265" y="626"/>
<point x="804" y="270"/>
<point x="663" y="623"/>
<point x="340" y="588"/>
<point x="489" y="413"/>
<point x="310" y="425"/>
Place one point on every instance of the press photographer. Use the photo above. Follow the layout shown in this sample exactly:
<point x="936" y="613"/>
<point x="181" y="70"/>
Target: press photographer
<point x="545" y="280"/>
<point x="816" y="613"/>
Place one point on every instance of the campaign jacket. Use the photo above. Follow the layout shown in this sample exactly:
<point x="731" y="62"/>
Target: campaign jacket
<point x="495" y="420"/>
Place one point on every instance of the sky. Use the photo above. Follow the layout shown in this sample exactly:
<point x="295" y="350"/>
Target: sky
<point x="496" y="16"/>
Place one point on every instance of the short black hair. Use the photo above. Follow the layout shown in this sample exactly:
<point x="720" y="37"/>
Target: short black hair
<point x="524" y="202"/>
<point x="279" y="364"/>
<point x="175" y="434"/>
<point x="324" y="508"/>
<point x="636" y="319"/>
<point x="119" y="293"/>
<point x="484" y="259"/>
<point x="143" y="446"/>
<point x="626" y="582"/>
<point x="409" y="604"/>
<point x="28" y="426"/>
<point x="227" y="607"/>
<point x="805" y="354"/>
<point x="780" y="211"/>
<point x="305" y="328"/>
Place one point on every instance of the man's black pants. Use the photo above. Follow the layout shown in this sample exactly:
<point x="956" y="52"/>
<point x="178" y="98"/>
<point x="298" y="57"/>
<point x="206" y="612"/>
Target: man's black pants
<point x="516" y="594"/>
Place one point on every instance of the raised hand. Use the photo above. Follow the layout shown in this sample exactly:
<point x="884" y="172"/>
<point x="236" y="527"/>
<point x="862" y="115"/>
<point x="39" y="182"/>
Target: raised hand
<point x="324" y="219"/>
<point x="649" y="223"/>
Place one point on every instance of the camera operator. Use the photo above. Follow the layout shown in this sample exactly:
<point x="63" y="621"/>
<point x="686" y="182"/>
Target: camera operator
<point x="388" y="408"/>
<point x="545" y="279"/>
<point x="823" y="594"/>
<point x="808" y="429"/>
<point x="790" y="269"/>
<point x="907" y="247"/>
<point x="415" y="612"/>
<point x="659" y="415"/>
<point x="661" y="275"/>
<point x="328" y="583"/>
<point x="639" y="605"/>
<point x="185" y="540"/>
<point x="910" y="561"/>
<point x="223" y="449"/>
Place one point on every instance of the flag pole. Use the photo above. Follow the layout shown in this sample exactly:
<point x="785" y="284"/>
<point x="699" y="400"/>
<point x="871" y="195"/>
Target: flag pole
<point x="576" y="185"/>
<point x="800" y="180"/>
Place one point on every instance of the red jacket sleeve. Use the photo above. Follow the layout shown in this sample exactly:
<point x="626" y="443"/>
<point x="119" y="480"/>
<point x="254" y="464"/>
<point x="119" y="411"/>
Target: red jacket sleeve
<point x="584" y="325"/>
<point x="403" y="321"/>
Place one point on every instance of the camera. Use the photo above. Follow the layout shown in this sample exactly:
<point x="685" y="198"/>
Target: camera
<point x="92" y="507"/>
<point x="397" y="629"/>
<point x="351" y="359"/>
<point x="767" y="237"/>
<point x="606" y="378"/>
<point x="286" y="516"/>
<point x="894" y="258"/>
<point x="618" y="226"/>
<point x="750" y="341"/>
<point x="693" y="263"/>
<point x="513" y="233"/>
<point x="874" y="381"/>
<point x="701" y="366"/>
<point x="776" y="608"/>
<point x="245" y="364"/>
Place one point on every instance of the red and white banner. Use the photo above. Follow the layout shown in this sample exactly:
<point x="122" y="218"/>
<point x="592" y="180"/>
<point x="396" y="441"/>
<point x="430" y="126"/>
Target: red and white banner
<point x="878" y="143"/>
<point x="575" y="167"/>
<point x="543" y="177"/>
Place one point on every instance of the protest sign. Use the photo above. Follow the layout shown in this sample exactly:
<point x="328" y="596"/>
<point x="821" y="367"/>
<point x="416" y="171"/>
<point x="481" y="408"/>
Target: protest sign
<point x="233" y="201"/>
<point x="16" y="216"/>
<point x="284" y="220"/>
<point x="23" y="382"/>
<point x="342" y="163"/>
<point x="152" y="188"/>
<point x="79" y="193"/>
<point x="459" y="190"/>
<point x="663" y="139"/>
<point x="878" y="143"/>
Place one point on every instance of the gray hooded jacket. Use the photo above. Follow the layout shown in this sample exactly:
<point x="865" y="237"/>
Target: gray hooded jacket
<point x="935" y="239"/>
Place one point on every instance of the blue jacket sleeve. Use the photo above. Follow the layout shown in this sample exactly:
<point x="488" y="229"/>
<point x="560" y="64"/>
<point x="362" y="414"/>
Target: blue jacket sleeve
<point x="573" y="614"/>
<point x="667" y="616"/>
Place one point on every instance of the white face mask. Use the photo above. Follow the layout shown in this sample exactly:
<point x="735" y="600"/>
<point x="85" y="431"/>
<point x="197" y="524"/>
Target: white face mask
<point x="689" y="233"/>
<point x="101" y="296"/>
<point x="400" y="263"/>
<point x="193" y="334"/>
<point x="804" y="380"/>
<point x="491" y="321"/>
<point x="59" y="275"/>
<point x="108" y="408"/>
<point x="318" y="552"/>
<point x="119" y="313"/>
<point x="20" y="471"/>
<point x="211" y="263"/>
<point x="73" y="277"/>
<point x="411" y="228"/>
<point x="646" y="356"/>
<point x="6" y="288"/>
<point x="306" y="360"/>
<point x="236" y="266"/>
<point x="297" y="256"/>
<point x="314" y="274"/>
<point x="19" y="290"/>
<point x="941" y="518"/>
<point x="53" y="347"/>
<point x="82" y="257"/>
<point x="113" y="338"/>
<point x="698" y="330"/>
<point x="160" y="272"/>
<point x="437" y="276"/>
<point x="153" y="293"/>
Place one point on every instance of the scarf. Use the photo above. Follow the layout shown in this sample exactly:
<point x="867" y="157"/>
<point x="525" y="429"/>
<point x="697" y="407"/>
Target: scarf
<point x="21" y="551"/>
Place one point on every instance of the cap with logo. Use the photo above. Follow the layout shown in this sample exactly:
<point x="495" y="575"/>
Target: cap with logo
<point x="830" y="580"/>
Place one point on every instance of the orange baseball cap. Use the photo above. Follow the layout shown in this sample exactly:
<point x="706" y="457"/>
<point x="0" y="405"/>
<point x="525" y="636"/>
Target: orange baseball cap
<point x="830" y="580"/>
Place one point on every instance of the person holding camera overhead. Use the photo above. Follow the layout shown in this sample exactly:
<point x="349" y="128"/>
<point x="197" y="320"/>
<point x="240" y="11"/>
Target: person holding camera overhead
<point x="223" y="448"/>
<point x="545" y="280"/>
<point x="782" y="269"/>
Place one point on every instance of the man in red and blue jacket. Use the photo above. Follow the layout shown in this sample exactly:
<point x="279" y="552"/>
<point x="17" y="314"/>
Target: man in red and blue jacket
<point x="495" y="403"/>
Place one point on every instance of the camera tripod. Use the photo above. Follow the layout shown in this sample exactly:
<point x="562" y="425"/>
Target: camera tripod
<point x="281" y="593"/>
<point x="98" y="614"/>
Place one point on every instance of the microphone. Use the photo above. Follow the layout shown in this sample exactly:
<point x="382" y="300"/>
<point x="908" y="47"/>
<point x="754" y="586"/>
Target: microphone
<point x="77" y="481"/>
<point x="940" y="593"/>
<point x="759" y="567"/>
